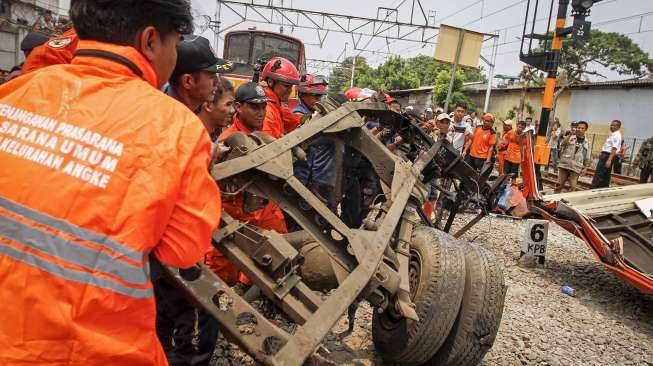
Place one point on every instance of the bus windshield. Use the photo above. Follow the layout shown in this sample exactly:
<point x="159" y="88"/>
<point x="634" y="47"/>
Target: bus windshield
<point x="247" y="48"/>
<point x="266" y="47"/>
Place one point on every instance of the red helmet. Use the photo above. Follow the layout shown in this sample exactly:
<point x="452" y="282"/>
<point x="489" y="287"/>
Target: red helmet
<point x="313" y="84"/>
<point x="352" y="93"/>
<point x="389" y="100"/>
<point x="356" y="94"/>
<point x="278" y="68"/>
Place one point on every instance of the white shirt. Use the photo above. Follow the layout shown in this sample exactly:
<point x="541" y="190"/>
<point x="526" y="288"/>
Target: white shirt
<point x="613" y="141"/>
<point x="458" y="131"/>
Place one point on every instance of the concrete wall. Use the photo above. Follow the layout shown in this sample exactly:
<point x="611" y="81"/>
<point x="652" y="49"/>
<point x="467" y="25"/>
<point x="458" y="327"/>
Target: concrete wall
<point x="420" y="100"/>
<point x="11" y="34"/>
<point x="634" y="107"/>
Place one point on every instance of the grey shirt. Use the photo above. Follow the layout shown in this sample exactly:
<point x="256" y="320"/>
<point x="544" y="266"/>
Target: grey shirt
<point x="574" y="155"/>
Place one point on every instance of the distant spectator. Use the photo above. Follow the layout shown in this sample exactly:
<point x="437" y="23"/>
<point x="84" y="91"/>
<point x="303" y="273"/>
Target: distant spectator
<point x="572" y="127"/>
<point x="469" y="120"/>
<point x="481" y="151"/>
<point x="574" y="157"/>
<point x="619" y="159"/>
<point x="554" y="141"/>
<point x="515" y="150"/>
<point x="609" y="151"/>
<point x="461" y="132"/>
<point x="45" y="23"/>
<point x="395" y="105"/>
<point x="476" y="122"/>
<point x="3" y="76"/>
<point x="644" y="160"/>
<point x="442" y="124"/>
<point x="529" y="125"/>
<point x="502" y="149"/>
<point x="428" y="114"/>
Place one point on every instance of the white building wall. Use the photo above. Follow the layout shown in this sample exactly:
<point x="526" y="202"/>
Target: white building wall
<point x="10" y="37"/>
<point x="633" y="107"/>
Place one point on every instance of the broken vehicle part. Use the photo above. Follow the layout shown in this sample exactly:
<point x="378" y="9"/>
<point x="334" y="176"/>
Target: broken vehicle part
<point x="374" y="263"/>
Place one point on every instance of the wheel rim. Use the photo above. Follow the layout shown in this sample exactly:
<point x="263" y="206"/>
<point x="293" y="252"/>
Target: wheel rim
<point x="414" y="272"/>
<point x="388" y="319"/>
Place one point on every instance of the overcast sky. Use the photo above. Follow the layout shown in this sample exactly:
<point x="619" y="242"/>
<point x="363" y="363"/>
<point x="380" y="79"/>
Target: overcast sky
<point x="478" y="15"/>
<point x="632" y="17"/>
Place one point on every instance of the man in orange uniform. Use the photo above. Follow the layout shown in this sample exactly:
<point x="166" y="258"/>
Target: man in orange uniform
<point x="251" y="105"/>
<point x="514" y="154"/>
<point x="58" y="50"/>
<point x="482" y="147"/>
<point x="251" y="110"/>
<point x="280" y="75"/>
<point x="93" y="180"/>
<point x="188" y="335"/>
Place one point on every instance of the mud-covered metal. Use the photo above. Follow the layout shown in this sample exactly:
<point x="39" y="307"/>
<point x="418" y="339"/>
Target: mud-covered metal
<point x="369" y="264"/>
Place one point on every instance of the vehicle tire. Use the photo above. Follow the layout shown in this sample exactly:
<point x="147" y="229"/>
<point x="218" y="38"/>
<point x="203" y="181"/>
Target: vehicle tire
<point x="478" y="322"/>
<point x="437" y="282"/>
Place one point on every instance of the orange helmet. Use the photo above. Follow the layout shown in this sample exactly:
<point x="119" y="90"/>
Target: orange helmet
<point x="278" y="68"/>
<point x="313" y="84"/>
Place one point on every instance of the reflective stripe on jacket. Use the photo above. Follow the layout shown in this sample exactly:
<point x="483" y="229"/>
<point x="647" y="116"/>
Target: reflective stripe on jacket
<point x="98" y="169"/>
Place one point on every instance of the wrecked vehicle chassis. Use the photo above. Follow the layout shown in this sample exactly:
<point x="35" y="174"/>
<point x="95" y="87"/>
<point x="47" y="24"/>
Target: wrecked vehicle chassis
<point x="376" y="263"/>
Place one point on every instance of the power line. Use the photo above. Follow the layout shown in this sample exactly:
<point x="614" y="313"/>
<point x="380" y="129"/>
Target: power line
<point x="494" y="13"/>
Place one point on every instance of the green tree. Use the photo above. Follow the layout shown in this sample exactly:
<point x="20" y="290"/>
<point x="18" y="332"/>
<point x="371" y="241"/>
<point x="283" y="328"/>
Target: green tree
<point x="528" y="77"/>
<point x="516" y="110"/>
<point x="614" y="51"/>
<point x="458" y="93"/>
<point x="398" y="73"/>
<point x="340" y="77"/>
<point x="393" y="74"/>
<point x="427" y="70"/>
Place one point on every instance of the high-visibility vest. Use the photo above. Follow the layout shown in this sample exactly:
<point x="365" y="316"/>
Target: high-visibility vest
<point x="98" y="169"/>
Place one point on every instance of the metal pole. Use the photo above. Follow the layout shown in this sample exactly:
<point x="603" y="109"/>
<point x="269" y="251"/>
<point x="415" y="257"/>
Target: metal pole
<point x="632" y="157"/>
<point x="461" y="37"/>
<point x="542" y="150"/>
<point x="218" y="13"/>
<point x="353" y="69"/>
<point x="489" y="81"/>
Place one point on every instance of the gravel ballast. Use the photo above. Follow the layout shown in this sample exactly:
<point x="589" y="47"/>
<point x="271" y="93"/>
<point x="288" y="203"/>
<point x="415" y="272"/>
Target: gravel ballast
<point x="606" y="323"/>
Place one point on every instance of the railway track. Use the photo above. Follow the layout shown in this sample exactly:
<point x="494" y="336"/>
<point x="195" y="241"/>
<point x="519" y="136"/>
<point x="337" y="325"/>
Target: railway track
<point x="551" y="178"/>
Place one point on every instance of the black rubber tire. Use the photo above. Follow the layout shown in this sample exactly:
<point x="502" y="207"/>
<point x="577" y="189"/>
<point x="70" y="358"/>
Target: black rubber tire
<point x="440" y="283"/>
<point x="478" y="322"/>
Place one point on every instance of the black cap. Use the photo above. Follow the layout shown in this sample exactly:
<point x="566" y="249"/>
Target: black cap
<point x="251" y="93"/>
<point x="33" y="40"/>
<point x="194" y="54"/>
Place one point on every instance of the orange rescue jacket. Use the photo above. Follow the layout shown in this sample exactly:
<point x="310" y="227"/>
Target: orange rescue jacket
<point x="98" y="169"/>
<point x="58" y="50"/>
<point x="270" y="218"/>
<point x="279" y="119"/>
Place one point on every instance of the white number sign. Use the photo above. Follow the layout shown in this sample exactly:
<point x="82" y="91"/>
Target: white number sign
<point x="535" y="239"/>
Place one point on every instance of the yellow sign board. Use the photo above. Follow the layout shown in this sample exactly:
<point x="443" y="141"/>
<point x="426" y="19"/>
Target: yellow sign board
<point x="448" y="40"/>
